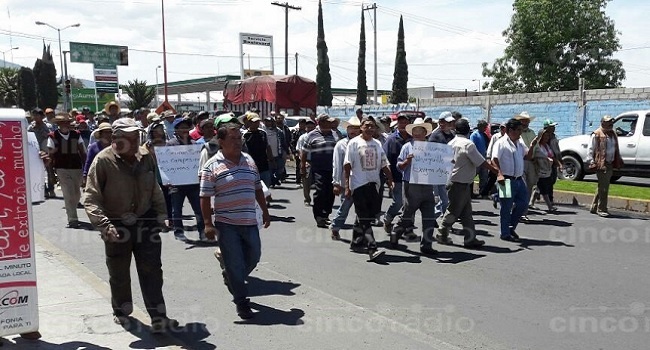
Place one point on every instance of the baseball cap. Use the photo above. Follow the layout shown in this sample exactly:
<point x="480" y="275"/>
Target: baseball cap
<point x="253" y="117"/>
<point x="125" y="125"/>
<point x="205" y="122"/>
<point x="607" y="118"/>
<point x="446" y="116"/>
<point x="225" y="118"/>
<point x="325" y="117"/>
<point x="181" y="120"/>
<point x="549" y="122"/>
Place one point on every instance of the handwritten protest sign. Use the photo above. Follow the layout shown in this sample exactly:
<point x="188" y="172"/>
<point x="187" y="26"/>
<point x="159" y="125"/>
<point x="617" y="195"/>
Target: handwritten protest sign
<point x="432" y="163"/>
<point x="179" y="165"/>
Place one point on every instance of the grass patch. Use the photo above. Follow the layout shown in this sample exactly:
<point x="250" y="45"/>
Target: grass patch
<point x="633" y="192"/>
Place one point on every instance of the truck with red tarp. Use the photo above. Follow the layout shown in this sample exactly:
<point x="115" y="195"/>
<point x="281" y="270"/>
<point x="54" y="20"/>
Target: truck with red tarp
<point x="292" y="93"/>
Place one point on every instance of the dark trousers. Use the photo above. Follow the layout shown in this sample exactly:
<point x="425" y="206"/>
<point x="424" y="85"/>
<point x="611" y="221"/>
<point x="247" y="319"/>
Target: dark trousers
<point x="324" y="194"/>
<point x="367" y="205"/>
<point x="51" y="180"/>
<point x="143" y="242"/>
<point x="489" y="185"/>
<point x="178" y="195"/>
<point x="168" y="200"/>
<point x="298" y="177"/>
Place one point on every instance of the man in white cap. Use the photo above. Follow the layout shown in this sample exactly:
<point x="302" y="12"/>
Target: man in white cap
<point x="353" y="128"/>
<point x="530" y="170"/>
<point x="467" y="159"/>
<point x="125" y="203"/>
<point x="443" y="134"/>
<point x="416" y="196"/>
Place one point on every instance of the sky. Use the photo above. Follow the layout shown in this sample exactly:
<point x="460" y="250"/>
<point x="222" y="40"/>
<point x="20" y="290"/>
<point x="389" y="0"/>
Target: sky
<point x="446" y="40"/>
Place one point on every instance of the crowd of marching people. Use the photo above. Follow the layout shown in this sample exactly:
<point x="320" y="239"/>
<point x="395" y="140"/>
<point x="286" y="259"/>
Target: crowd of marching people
<point x="111" y="156"/>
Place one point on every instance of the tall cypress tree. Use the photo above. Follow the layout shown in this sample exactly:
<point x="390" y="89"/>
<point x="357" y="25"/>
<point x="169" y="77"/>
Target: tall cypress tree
<point x="401" y="75"/>
<point x="26" y="89"/>
<point x="362" y="84"/>
<point x="45" y="77"/>
<point x="323" y="77"/>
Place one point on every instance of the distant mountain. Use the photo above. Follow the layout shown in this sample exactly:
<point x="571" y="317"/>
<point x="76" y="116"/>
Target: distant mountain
<point x="4" y="64"/>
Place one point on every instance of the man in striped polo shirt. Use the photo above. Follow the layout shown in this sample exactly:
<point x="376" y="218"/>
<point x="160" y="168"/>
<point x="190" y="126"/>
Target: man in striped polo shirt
<point x="232" y="179"/>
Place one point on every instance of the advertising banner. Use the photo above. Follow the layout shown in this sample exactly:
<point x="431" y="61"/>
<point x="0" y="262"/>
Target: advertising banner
<point x="18" y="293"/>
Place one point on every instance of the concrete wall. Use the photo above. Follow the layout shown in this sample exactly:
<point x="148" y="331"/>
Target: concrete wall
<point x="575" y="114"/>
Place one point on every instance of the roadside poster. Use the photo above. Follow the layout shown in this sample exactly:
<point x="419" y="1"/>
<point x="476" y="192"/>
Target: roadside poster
<point x="18" y="293"/>
<point x="179" y="165"/>
<point x="432" y="163"/>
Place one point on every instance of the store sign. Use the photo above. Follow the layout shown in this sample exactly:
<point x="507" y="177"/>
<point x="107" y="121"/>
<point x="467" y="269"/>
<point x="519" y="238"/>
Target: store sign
<point x="256" y="39"/>
<point x="18" y="293"/>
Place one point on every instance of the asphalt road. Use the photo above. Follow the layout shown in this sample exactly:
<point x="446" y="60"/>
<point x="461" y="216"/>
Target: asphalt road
<point x="576" y="281"/>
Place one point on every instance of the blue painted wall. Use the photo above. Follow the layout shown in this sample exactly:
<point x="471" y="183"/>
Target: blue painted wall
<point x="566" y="114"/>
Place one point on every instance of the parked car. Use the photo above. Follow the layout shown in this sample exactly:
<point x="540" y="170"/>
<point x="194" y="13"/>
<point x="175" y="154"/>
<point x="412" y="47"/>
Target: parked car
<point x="633" y="131"/>
<point x="412" y="115"/>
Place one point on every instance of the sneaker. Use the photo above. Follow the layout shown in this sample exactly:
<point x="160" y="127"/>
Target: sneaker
<point x="322" y="223"/>
<point x="163" y="324"/>
<point x="427" y="250"/>
<point x="475" y="243"/>
<point x="394" y="240"/>
<point x="120" y="320"/>
<point x="524" y="218"/>
<point x="411" y="236"/>
<point x="244" y="310"/>
<point x="373" y="253"/>
<point x="514" y="234"/>
<point x="509" y="238"/>
<point x="445" y="240"/>
<point x="74" y="224"/>
<point x="388" y="227"/>
<point x="335" y="235"/>
<point x="603" y="214"/>
<point x="180" y="236"/>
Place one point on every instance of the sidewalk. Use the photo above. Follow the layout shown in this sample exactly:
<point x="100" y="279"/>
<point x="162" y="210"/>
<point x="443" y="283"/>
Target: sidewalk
<point x="583" y="199"/>
<point x="75" y="310"/>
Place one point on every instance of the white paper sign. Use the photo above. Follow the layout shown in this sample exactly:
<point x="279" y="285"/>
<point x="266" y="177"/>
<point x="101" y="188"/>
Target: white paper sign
<point x="36" y="169"/>
<point x="179" y="165"/>
<point x="432" y="163"/>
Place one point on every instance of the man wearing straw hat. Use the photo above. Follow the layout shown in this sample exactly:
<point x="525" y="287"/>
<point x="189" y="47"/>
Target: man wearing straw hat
<point x="416" y="196"/>
<point x="68" y="153"/>
<point x="530" y="170"/>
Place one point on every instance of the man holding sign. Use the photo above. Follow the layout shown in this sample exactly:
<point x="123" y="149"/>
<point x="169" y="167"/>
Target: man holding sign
<point x="467" y="159"/>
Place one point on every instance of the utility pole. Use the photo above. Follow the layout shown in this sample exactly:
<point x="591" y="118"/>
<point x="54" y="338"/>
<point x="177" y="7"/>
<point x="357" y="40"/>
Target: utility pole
<point x="286" y="32"/>
<point x="374" y="26"/>
<point x="296" y="63"/>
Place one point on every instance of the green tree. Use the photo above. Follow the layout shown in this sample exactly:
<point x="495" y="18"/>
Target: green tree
<point x="45" y="77"/>
<point x="141" y="95"/>
<point x="26" y="89"/>
<point x="554" y="43"/>
<point x="323" y="77"/>
<point x="401" y="75"/>
<point x="8" y="87"/>
<point x="76" y="83"/>
<point x="362" y="84"/>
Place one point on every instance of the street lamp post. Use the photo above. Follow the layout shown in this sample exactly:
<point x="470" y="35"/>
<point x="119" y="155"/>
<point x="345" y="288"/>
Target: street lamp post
<point x="39" y="23"/>
<point x="157" y="104"/>
<point x="4" y="63"/>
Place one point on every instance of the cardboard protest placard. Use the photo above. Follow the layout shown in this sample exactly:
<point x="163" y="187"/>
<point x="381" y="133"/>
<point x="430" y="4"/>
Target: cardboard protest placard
<point x="179" y="165"/>
<point x="432" y="163"/>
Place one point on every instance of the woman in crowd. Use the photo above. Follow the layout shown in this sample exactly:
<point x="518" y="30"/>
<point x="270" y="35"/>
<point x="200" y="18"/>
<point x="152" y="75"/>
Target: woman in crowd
<point x="545" y="161"/>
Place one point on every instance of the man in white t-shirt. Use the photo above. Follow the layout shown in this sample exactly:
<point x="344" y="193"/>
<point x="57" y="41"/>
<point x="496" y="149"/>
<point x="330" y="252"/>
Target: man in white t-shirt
<point x="364" y="158"/>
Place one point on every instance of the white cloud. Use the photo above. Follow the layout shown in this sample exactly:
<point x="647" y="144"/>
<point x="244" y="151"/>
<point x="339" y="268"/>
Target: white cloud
<point x="445" y="40"/>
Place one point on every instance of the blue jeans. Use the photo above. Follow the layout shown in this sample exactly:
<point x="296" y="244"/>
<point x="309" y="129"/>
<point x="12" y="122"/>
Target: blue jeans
<point x="513" y="208"/>
<point x="342" y="213"/>
<point x="178" y="195"/>
<point x="266" y="177"/>
<point x="441" y="192"/>
<point x="396" y="205"/>
<point x="241" y="249"/>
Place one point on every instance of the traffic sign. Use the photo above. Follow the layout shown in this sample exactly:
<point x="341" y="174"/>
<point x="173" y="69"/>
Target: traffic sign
<point x="106" y="80"/>
<point x="102" y="56"/>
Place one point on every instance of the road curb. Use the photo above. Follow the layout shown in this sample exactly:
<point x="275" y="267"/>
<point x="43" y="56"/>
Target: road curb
<point x="621" y="203"/>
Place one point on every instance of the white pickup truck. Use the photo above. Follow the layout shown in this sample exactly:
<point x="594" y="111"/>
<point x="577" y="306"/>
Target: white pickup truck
<point x="633" y="130"/>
